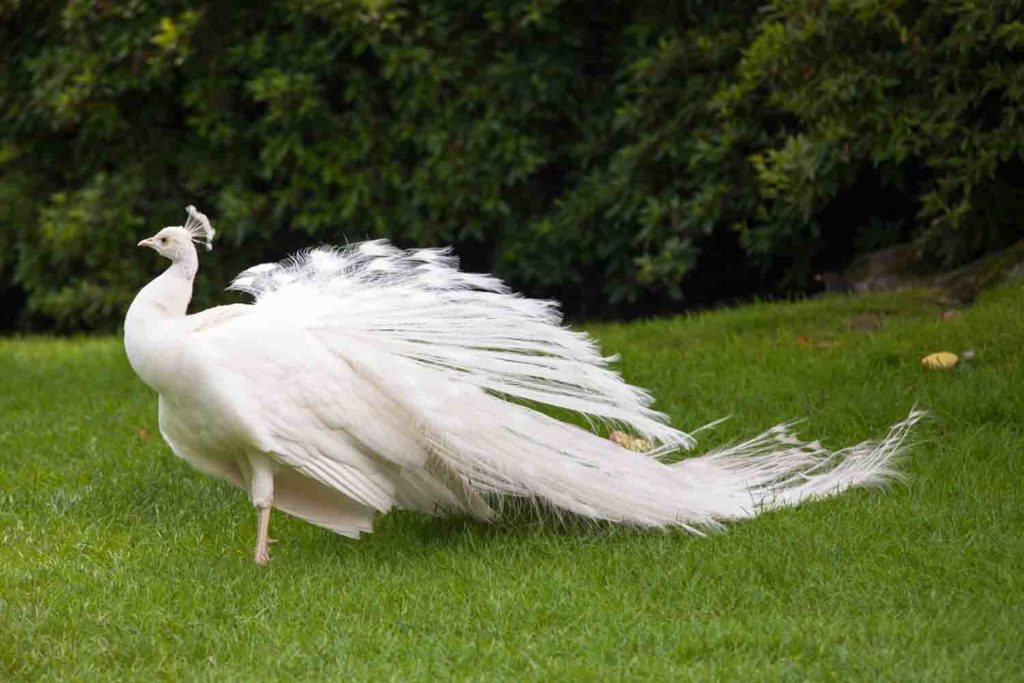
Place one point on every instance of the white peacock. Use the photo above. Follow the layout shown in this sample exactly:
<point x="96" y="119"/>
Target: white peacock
<point x="367" y="378"/>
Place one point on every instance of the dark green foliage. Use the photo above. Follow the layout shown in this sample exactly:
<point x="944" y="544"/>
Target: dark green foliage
<point x="611" y="154"/>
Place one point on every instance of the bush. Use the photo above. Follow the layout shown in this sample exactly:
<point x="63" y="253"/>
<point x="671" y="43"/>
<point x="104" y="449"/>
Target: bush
<point x="619" y="156"/>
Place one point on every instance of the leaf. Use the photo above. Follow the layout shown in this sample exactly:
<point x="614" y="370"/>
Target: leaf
<point x="941" y="360"/>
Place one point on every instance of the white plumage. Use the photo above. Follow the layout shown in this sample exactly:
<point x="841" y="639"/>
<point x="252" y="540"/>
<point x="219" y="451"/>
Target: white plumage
<point x="367" y="378"/>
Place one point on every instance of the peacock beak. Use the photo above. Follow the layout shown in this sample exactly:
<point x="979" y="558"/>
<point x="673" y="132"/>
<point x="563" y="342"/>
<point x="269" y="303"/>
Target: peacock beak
<point x="148" y="242"/>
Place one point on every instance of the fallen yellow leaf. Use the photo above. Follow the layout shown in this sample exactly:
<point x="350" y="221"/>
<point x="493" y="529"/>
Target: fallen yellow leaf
<point x="942" y="360"/>
<point x="633" y="443"/>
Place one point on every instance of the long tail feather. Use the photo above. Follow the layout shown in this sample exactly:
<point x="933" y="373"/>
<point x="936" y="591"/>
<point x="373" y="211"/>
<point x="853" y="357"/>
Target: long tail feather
<point x="460" y="354"/>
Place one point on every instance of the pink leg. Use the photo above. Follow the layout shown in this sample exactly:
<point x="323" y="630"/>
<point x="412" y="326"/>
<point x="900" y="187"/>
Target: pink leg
<point x="262" y="555"/>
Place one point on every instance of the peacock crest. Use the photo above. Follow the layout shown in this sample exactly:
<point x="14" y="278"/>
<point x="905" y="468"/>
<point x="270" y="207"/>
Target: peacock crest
<point x="199" y="228"/>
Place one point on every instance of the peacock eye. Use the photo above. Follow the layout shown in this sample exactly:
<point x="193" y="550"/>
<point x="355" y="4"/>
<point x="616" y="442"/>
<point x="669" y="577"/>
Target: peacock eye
<point x="163" y="240"/>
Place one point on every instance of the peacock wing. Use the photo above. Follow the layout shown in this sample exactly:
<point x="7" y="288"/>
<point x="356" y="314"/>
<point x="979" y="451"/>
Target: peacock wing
<point x="304" y="405"/>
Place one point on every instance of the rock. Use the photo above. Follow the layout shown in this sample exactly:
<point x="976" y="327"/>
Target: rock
<point x="901" y="266"/>
<point x="963" y="284"/>
<point x="834" y="282"/>
<point x="894" y="267"/>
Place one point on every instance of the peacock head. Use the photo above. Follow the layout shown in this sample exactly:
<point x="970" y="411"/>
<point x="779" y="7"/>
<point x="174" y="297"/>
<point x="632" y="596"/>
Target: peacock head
<point x="175" y="241"/>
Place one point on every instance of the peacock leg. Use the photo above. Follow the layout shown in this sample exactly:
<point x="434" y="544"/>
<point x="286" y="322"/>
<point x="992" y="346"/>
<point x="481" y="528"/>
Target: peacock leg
<point x="262" y="554"/>
<point x="261" y="491"/>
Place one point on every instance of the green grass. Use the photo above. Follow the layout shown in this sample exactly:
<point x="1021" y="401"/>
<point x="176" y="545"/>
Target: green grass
<point x="119" y="561"/>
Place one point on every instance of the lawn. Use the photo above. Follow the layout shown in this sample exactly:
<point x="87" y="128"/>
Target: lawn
<point x="118" y="561"/>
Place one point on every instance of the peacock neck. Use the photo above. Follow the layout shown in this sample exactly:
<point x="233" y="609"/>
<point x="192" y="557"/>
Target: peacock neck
<point x="168" y="295"/>
<point x="154" y="329"/>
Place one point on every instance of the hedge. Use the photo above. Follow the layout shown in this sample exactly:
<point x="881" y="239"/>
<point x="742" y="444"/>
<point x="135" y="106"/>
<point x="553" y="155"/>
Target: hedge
<point x="625" y="157"/>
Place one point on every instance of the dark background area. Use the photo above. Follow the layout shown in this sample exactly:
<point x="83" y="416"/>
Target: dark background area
<point x="626" y="158"/>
